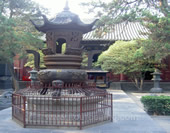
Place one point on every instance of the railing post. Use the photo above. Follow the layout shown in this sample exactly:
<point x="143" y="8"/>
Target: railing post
<point x="12" y="105"/>
<point x="111" y="108"/>
<point x="24" y="109"/>
<point x="80" y="113"/>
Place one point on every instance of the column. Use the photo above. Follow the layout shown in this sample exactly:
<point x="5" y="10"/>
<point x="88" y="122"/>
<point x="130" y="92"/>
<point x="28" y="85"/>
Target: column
<point x="122" y="77"/>
<point x="90" y="59"/>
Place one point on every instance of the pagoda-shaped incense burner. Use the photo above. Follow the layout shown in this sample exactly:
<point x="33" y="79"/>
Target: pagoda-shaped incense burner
<point x="62" y="97"/>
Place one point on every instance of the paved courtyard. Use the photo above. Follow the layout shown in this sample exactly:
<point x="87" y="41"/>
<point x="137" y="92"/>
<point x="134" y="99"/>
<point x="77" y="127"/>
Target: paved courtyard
<point x="5" y="98"/>
<point x="128" y="118"/>
<point x="163" y="121"/>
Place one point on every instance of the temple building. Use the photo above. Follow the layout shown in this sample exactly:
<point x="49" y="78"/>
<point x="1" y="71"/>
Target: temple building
<point x="125" y="31"/>
<point x="95" y="45"/>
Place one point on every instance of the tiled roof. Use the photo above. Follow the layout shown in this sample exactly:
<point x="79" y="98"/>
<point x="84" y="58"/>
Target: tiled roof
<point x="64" y="20"/>
<point x="123" y="31"/>
<point x="66" y="17"/>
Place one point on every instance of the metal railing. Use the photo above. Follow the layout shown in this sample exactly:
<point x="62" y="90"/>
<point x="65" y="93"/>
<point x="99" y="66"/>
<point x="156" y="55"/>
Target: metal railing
<point x="32" y="109"/>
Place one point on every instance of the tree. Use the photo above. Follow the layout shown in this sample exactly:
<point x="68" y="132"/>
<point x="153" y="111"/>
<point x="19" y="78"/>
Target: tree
<point x="153" y="14"/>
<point x="122" y="57"/>
<point x="20" y="8"/>
<point x="157" y="45"/>
<point x="16" y="32"/>
<point x="117" y="11"/>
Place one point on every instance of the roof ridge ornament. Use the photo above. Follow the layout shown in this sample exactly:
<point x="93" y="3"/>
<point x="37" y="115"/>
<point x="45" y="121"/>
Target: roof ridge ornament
<point x="66" y="8"/>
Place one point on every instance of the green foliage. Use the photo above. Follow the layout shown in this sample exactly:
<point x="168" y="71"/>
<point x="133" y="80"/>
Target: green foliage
<point x="16" y="32"/>
<point x="63" y="48"/>
<point x="159" y="105"/>
<point x="7" y="36"/>
<point x="158" y="43"/>
<point x="14" y="41"/>
<point x="123" y="57"/>
<point x="116" y="11"/>
<point x="20" y="9"/>
<point x="85" y="59"/>
<point x="126" y="57"/>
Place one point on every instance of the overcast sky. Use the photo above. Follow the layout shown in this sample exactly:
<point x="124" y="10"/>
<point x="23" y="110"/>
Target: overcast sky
<point x="56" y="6"/>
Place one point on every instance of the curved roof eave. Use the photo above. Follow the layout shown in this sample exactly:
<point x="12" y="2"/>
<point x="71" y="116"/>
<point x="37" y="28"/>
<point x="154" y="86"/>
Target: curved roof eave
<point x="77" y="25"/>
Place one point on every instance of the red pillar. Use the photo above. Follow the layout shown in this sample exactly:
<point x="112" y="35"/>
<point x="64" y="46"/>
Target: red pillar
<point x="122" y="77"/>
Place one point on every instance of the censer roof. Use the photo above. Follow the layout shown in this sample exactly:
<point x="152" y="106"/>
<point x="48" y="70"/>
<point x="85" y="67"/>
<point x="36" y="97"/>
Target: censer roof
<point x="64" y="20"/>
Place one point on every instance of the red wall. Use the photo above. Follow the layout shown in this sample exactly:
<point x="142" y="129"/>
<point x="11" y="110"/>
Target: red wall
<point x="21" y="71"/>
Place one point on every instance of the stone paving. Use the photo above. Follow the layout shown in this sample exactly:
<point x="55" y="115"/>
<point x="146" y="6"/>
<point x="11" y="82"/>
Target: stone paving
<point x="5" y="98"/>
<point x="163" y="121"/>
<point x="127" y="115"/>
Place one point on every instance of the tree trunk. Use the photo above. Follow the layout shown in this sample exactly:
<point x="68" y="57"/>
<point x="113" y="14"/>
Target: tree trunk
<point x="11" y="14"/>
<point x="138" y="82"/>
<point x="141" y="84"/>
<point x="14" y="77"/>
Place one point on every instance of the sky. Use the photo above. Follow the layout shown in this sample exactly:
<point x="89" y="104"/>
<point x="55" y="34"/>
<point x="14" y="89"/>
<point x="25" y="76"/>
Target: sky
<point x="56" y="6"/>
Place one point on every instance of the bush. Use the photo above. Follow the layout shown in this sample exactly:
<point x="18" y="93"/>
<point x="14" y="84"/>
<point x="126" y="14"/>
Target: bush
<point x="159" y="105"/>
